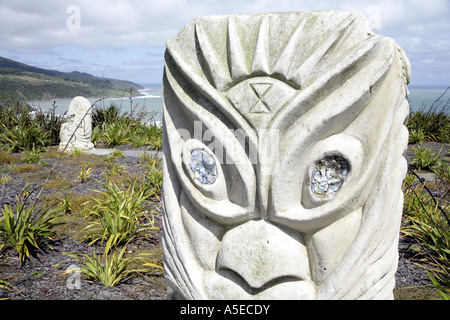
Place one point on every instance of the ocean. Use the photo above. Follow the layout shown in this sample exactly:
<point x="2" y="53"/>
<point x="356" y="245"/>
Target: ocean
<point x="420" y="97"/>
<point x="423" y="97"/>
<point x="151" y="101"/>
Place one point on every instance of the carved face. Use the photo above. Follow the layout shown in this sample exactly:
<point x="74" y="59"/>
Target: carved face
<point x="283" y="142"/>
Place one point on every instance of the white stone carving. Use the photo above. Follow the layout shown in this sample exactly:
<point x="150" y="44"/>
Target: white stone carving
<point x="76" y="131"/>
<point x="283" y="157"/>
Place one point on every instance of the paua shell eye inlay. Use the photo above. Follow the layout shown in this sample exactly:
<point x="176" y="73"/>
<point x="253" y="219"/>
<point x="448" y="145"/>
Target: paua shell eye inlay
<point x="329" y="174"/>
<point x="203" y="166"/>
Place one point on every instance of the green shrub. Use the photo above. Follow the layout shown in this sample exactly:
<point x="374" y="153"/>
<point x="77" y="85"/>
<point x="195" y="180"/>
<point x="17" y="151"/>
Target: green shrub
<point x="4" y="179"/>
<point x="115" y="155"/>
<point x="77" y="152"/>
<point x="111" y="267"/>
<point x="432" y="124"/>
<point x="23" y="137"/>
<point x="443" y="172"/>
<point x="114" y="169"/>
<point x="6" y="285"/>
<point x="427" y="222"/>
<point x="50" y="123"/>
<point x="97" y="135"/>
<point x="426" y="159"/>
<point x="156" y="140"/>
<point x="85" y="174"/>
<point x="120" y="214"/>
<point x="102" y="116"/>
<point x="24" y="227"/>
<point x="116" y="128"/>
<point x="33" y="155"/>
<point x="153" y="167"/>
<point x="417" y="136"/>
<point x="149" y="134"/>
<point x="22" y="130"/>
<point x="116" y="133"/>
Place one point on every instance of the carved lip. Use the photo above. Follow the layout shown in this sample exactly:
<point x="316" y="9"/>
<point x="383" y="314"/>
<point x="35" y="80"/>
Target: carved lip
<point x="255" y="287"/>
<point x="226" y="284"/>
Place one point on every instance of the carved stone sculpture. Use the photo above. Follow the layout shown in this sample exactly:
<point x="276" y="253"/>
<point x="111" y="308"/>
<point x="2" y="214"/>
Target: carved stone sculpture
<point x="283" y="157"/>
<point x="76" y="131"/>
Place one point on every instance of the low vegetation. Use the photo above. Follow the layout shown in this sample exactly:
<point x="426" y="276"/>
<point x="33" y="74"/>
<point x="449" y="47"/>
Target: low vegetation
<point x="120" y="213"/>
<point x="115" y="128"/>
<point x="432" y="123"/>
<point x="26" y="226"/>
<point x="427" y="203"/>
<point x="427" y="223"/>
<point x="124" y="207"/>
<point x="122" y="210"/>
<point x="112" y="266"/>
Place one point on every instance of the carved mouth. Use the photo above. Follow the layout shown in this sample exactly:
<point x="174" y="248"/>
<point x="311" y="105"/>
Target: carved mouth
<point x="236" y="278"/>
<point x="227" y="284"/>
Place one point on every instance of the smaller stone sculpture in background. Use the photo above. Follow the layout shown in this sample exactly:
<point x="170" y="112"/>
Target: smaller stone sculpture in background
<point x="76" y="131"/>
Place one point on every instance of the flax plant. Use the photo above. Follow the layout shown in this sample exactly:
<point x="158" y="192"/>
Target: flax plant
<point x="119" y="214"/>
<point x="85" y="174"/>
<point x="114" y="169"/>
<point x="417" y="136"/>
<point x="115" y="154"/>
<point x="112" y="267"/>
<point x="117" y="133"/>
<point x="4" y="179"/>
<point x="7" y="286"/>
<point x="155" y="177"/>
<point x="24" y="227"/>
<point x="432" y="124"/>
<point x="428" y="223"/>
<point x="154" y="172"/>
<point x="21" y="138"/>
<point x="426" y="159"/>
<point x="33" y="155"/>
<point x="21" y="131"/>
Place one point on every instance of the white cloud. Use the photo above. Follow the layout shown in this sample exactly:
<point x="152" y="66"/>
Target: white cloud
<point x="421" y="27"/>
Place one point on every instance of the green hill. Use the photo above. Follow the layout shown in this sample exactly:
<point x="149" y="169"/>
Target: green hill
<point x="26" y="82"/>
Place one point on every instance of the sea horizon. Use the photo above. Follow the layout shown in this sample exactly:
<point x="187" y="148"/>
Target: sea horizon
<point x="420" y="97"/>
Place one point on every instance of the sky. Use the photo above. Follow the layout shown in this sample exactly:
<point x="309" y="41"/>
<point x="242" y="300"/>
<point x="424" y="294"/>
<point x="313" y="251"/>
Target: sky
<point x="126" y="39"/>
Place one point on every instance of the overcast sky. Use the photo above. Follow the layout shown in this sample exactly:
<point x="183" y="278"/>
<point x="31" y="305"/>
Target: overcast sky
<point x="125" y="39"/>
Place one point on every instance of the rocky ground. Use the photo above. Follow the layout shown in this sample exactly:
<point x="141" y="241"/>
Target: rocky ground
<point x="41" y="278"/>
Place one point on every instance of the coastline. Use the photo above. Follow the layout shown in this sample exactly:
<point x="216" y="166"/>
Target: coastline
<point x="420" y="97"/>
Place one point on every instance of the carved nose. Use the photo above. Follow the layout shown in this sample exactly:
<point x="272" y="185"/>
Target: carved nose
<point x="261" y="253"/>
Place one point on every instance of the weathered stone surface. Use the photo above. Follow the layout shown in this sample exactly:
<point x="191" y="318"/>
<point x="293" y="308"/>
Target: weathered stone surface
<point x="76" y="131"/>
<point x="296" y="124"/>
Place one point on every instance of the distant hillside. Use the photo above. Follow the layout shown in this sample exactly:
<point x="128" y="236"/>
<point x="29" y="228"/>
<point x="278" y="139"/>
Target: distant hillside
<point x="26" y="82"/>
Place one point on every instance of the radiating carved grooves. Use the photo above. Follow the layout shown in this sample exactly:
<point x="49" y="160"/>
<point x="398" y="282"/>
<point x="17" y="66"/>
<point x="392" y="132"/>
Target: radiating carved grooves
<point x="247" y="48"/>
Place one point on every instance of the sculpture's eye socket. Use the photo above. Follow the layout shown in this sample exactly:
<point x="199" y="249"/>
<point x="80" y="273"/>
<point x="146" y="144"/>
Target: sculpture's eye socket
<point x="203" y="166"/>
<point x="329" y="174"/>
